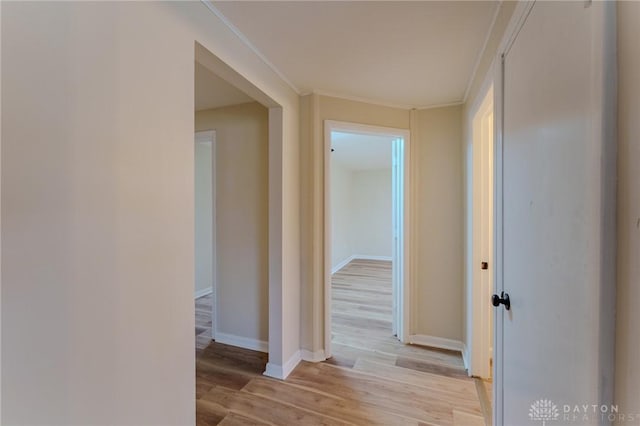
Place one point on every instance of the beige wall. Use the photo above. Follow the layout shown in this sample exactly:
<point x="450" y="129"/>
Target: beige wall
<point x="203" y="195"/>
<point x="436" y="141"/>
<point x="97" y="209"/>
<point x="439" y="224"/>
<point x="627" y="392"/>
<point x="314" y="110"/>
<point x="242" y="218"/>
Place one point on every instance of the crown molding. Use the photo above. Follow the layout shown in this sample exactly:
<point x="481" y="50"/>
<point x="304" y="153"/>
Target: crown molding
<point x="235" y="30"/>
<point x="472" y="77"/>
<point x="450" y="104"/>
<point x="362" y="99"/>
<point x="381" y="103"/>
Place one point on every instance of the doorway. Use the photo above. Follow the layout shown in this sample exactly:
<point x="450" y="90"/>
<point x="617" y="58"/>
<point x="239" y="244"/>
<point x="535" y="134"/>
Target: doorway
<point x="482" y="238"/>
<point x="204" y="227"/>
<point x="244" y="258"/>
<point x="366" y="169"/>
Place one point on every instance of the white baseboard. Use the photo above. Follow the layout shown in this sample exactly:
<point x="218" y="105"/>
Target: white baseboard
<point x="358" y="256"/>
<point x="282" y="371"/>
<point x="367" y="257"/>
<point x="465" y="358"/>
<point x="341" y="265"/>
<point x="242" y="342"/>
<point x="203" y="292"/>
<point x="436" y="342"/>
<point x="316" y="356"/>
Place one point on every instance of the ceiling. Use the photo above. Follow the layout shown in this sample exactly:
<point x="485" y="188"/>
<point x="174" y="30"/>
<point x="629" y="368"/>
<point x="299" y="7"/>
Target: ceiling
<point x="412" y="54"/>
<point x="213" y="92"/>
<point x="361" y="152"/>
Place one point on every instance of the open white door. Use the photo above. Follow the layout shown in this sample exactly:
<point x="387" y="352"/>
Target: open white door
<point x="556" y="242"/>
<point x="397" y="185"/>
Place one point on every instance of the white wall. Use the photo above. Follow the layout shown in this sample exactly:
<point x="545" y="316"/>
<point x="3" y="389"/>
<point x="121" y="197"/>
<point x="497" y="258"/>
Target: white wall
<point x="342" y="232"/>
<point x="361" y="204"/>
<point x="97" y="209"/>
<point x="372" y="208"/>
<point x="627" y="389"/>
<point x="203" y="217"/>
<point x="242" y="219"/>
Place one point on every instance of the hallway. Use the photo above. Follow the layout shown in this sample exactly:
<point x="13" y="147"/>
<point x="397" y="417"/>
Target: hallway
<point x="372" y="379"/>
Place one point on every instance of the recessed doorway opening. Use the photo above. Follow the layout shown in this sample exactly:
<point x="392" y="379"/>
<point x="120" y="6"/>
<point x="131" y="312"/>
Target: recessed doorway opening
<point x="366" y="171"/>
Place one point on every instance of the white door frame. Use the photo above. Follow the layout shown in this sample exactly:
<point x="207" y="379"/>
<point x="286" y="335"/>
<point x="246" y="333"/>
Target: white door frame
<point x="483" y="231"/>
<point x="515" y="24"/>
<point x="209" y="136"/>
<point x="405" y="288"/>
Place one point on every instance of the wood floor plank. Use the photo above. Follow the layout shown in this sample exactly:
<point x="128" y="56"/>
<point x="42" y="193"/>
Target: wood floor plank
<point x="461" y="418"/>
<point x="362" y="316"/>
<point x="347" y="356"/>
<point x="430" y="367"/>
<point x="460" y="388"/>
<point x="372" y="378"/>
<point x="349" y="410"/>
<point x="444" y="395"/>
<point x="227" y="377"/>
<point x="406" y="400"/>
<point x="390" y="345"/>
<point x="202" y="386"/>
<point x="233" y="419"/>
<point x="208" y="413"/>
<point x="485" y="402"/>
<point x="235" y="358"/>
<point x="264" y="409"/>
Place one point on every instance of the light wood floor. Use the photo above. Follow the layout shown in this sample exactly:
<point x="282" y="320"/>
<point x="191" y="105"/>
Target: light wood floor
<point x="361" y="320"/>
<point x="372" y="379"/>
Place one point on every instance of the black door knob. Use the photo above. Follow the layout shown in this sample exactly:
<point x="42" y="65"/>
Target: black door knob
<point x="503" y="298"/>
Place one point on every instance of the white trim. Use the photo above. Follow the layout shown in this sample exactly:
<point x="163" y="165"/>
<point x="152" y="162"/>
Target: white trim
<point x="209" y="137"/>
<point x="516" y="23"/>
<point x="367" y="257"/>
<point x="203" y="292"/>
<point x="316" y="356"/>
<point x="482" y="236"/>
<point x="282" y="371"/>
<point x="360" y="99"/>
<point x="205" y="136"/>
<point x="342" y="264"/>
<point x="465" y="358"/>
<point x="481" y="53"/>
<point x="248" y="43"/>
<point x="436" y="342"/>
<point x="407" y="287"/>
<point x="444" y="105"/>
<point x="498" y="319"/>
<point x="379" y="102"/>
<point x="242" y="342"/>
<point x="513" y="28"/>
<point x="360" y="257"/>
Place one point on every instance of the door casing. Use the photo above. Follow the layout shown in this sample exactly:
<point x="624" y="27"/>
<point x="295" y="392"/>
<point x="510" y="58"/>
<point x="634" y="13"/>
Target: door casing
<point x="405" y="288"/>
